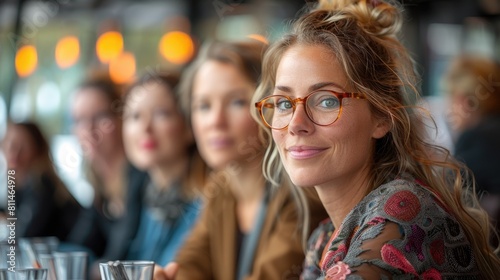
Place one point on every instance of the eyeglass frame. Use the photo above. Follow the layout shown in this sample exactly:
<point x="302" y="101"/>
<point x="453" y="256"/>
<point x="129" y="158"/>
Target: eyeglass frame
<point x="340" y="95"/>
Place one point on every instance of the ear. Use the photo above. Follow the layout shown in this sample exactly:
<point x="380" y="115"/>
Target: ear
<point x="381" y="128"/>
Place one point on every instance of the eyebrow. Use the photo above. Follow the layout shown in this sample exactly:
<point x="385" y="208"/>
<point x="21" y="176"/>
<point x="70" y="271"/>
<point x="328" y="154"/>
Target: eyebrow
<point x="238" y="92"/>
<point x="311" y="88"/>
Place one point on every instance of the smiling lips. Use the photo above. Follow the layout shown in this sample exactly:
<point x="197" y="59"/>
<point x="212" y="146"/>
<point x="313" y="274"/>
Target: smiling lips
<point x="304" y="152"/>
<point x="220" y="143"/>
<point x="148" y="145"/>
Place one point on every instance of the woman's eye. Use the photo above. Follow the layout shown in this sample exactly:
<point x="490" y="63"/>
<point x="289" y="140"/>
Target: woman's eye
<point x="131" y="116"/>
<point x="239" y="102"/>
<point x="329" y="102"/>
<point x="323" y="100"/>
<point x="284" y="104"/>
<point x="201" y="107"/>
<point x="162" y="113"/>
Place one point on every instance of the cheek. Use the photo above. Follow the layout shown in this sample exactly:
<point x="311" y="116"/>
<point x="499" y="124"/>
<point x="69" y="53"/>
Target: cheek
<point x="129" y="139"/>
<point x="278" y="136"/>
<point x="198" y="126"/>
<point x="243" y="122"/>
<point x="80" y="133"/>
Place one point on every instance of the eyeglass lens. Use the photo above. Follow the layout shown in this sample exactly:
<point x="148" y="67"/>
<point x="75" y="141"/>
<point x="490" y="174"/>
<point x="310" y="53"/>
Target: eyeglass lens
<point x="322" y="107"/>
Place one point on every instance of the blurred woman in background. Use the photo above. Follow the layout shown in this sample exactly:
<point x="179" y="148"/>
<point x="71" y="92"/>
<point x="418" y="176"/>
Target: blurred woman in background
<point x="472" y="86"/>
<point x="110" y="225"/>
<point x="159" y="141"/>
<point x="44" y="206"/>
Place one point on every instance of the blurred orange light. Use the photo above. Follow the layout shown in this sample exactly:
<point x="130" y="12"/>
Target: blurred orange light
<point x="176" y="47"/>
<point x="67" y="51"/>
<point x="109" y="46"/>
<point x="26" y="60"/>
<point x="122" y="68"/>
<point x="258" y="37"/>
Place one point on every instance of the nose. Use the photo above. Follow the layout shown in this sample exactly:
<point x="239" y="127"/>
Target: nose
<point x="300" y="122"/>
<point x="218" y="116"/>
<point x="147" y="123"/>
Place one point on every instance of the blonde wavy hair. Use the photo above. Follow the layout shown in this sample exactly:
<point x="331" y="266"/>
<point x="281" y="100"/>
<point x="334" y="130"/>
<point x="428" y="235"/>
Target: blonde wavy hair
<point x="362" y="37"/>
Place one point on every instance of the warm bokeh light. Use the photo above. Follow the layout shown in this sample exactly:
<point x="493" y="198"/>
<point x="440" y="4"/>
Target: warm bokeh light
<point x="122" y="68"/>
<point x="176" y="47"/>
<point x="109" y="46"/>
<point x="258" y="37"/>
<point x="67" y="52"/>
<point x="26" y="60"/>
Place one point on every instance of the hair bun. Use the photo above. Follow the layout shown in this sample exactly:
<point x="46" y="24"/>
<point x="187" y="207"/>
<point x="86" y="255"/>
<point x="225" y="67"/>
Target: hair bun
<point x="376" y="17"/>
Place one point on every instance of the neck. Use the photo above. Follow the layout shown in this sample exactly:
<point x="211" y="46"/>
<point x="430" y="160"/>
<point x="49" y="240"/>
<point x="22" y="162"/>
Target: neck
<point x="341" y="196"/>
<point x="107" y="167"/>
<point x="248" y="185"/>
<point x="164" y="175"/>
<point x="246" y="181"/>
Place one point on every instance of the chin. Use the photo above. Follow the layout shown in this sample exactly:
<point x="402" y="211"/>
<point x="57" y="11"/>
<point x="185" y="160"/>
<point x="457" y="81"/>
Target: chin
<point x="142" y="164"/>
<point x="303" y="183"/>
<point x="217" y="162"/>
<point x="303" y="178"/>
<point x="217" y="165"/>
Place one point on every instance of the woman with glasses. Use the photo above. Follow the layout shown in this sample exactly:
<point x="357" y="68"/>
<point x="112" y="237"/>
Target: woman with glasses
<point x="110" y="224"/>
<point x="336" y="96"/>
<point x="251" y="228"/>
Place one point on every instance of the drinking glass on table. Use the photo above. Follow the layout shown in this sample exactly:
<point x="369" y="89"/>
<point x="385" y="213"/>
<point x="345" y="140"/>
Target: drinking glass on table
<point x="4" y="273"/>
<point x="71" y="265"/>
<point x="28" y="274"/>
<point x="127" y="270"/>
<point x="47" y="261"/>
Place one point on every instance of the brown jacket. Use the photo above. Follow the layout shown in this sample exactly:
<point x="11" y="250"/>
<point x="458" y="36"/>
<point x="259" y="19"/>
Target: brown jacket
<point x="210" y="251"/>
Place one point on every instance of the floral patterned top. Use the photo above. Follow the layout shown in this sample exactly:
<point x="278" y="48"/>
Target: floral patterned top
<point x="430" y="243"/>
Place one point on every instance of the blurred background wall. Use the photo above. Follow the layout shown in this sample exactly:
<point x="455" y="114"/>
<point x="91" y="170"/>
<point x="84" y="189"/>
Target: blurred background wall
<point x="47" y="47"/>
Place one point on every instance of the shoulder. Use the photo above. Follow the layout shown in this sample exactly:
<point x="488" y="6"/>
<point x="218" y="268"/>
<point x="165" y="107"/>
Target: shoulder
<point x="400" y="228"/>
<point x="403" y="201"/>
<point x="488" y="128"/>
<point x="428" y="233"/>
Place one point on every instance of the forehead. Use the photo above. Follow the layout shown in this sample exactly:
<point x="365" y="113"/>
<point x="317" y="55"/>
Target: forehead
<point x="218" y="77"/>
<point x="303" y="65"/>
<point x="90" y="99"/>
<point x="18" y="133"/>
<point x="150" y="93"/>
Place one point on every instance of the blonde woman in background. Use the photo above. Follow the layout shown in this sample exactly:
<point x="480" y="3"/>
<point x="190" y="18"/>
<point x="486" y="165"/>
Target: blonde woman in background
<point x="335" y="96"/>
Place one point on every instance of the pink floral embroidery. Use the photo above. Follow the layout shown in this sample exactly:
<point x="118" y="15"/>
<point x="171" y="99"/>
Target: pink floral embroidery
<point x="431" y="274"/>
<point x="403" y="205"/>
<point x="416" y="241"/>
<point x="394" y="257"/>
<point x="375" y="221"/>
<point x="335" y="255"/>
<point x="338" y="272"/>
